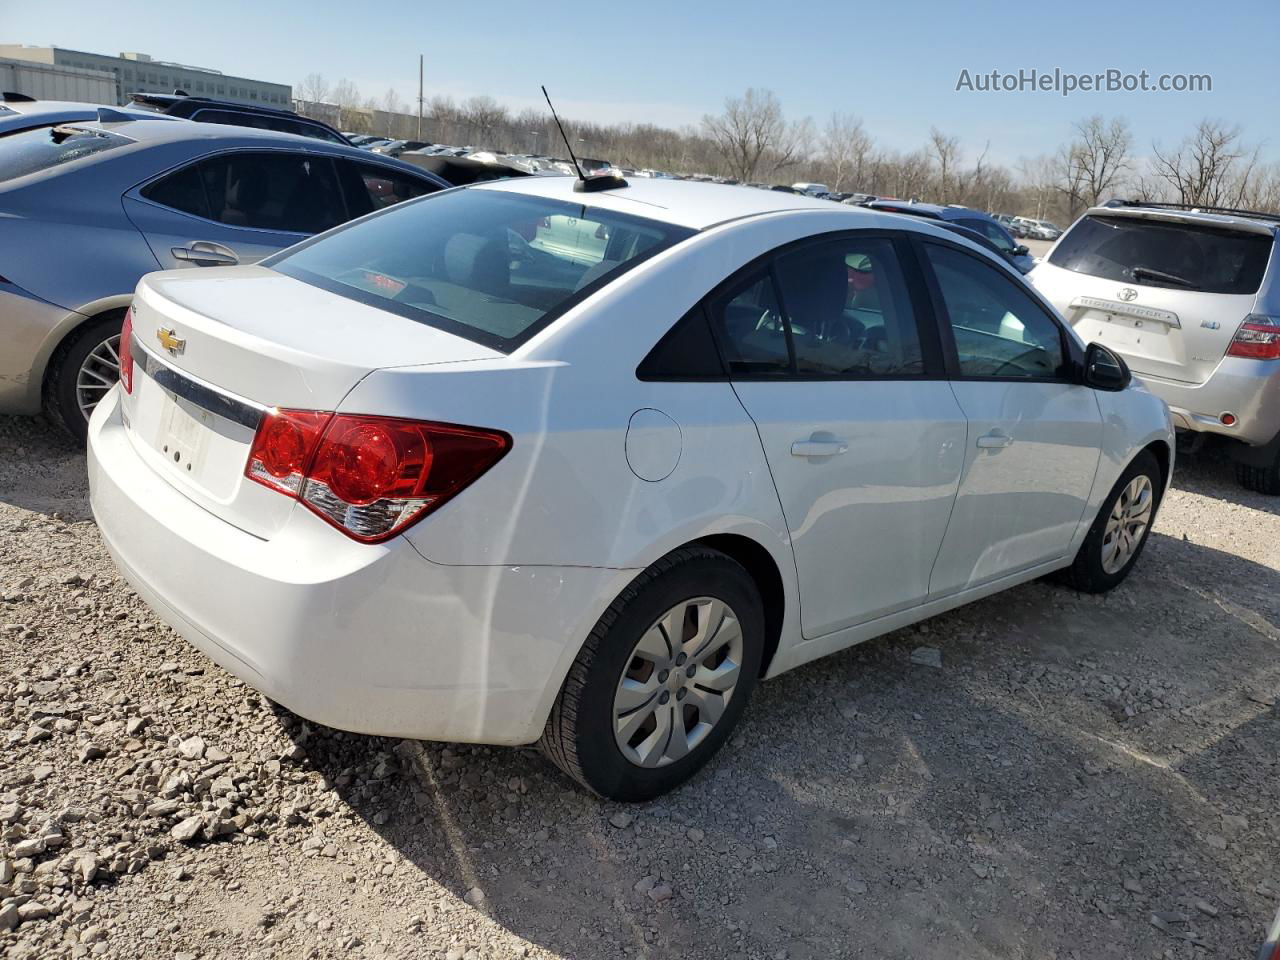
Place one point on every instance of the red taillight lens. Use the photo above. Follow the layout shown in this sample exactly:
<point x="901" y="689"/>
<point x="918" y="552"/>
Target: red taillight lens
<point x="283" y="447"/>
<point x="126" y="352"/>
<point x="370" y="477"/>
<point x="1257" y="339"/>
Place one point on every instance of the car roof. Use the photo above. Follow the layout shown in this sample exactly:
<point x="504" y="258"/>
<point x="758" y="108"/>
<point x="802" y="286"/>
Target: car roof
<point x="686" y="203"/>
<point x="935" y="210"/>
<point x="24" y="114"/>
<point x="157" y="128"/>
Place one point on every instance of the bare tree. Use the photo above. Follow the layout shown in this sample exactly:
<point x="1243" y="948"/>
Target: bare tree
<point x="846" y="148"/>
<point x="314" y="88"/>
<point x="945" y="151"/>
<point x="483" y="115"/>
<point x="1210" y="168"/>
<point x="352" y="114"/>
<point x="752" y="135"/>
<point x="1102" y="155"/>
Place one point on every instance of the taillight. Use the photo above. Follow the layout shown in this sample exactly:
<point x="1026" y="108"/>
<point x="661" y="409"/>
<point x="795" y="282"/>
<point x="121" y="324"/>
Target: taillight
<point x="126" y="351"/>
<point x="371" y="477"/>
<point x="1257" y="339"/>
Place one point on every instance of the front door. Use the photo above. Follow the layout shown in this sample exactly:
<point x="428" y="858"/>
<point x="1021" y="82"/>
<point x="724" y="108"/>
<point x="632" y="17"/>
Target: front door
<point x="1034" y="432"/>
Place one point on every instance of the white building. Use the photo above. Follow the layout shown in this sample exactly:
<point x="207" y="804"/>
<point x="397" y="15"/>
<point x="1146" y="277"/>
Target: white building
<point x="139" y="73"/>
<point x="47" y="82"/>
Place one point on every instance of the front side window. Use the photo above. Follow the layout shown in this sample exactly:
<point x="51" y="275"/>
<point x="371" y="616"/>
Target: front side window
<point x="991" y="231"/>
<point x="31" y="151"/>
<point x="488" y="265"/>
<point x="849" y="309"/>
<point x="1163" y="253"/>
<point x="286" y="192"/>
<point x="1000" y="331"/>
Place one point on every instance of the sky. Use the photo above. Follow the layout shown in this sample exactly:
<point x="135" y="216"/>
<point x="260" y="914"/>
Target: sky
<point x="893" y="63"/>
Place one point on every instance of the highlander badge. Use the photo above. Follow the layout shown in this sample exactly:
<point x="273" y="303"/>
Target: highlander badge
<point x="1127" y="294"/>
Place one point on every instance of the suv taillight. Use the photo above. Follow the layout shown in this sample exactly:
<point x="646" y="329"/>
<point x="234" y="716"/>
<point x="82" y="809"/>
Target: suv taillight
<point x="1257" y="339"/>
<point x="126" y="351"/>
<point x="371" y="477"/>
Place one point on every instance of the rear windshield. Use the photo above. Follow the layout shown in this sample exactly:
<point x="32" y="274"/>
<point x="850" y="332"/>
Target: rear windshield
<point x="1158" y="253"/>
<point x="30" y="151"/>
<point x="491" y="266"/>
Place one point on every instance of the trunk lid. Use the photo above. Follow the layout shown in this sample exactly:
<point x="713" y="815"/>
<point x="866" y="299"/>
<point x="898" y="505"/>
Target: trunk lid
<point x="1166" y="289"/>
<point x="216" y="348"/>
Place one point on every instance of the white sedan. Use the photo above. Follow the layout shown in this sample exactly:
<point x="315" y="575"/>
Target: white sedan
<point x="521" y="462"/>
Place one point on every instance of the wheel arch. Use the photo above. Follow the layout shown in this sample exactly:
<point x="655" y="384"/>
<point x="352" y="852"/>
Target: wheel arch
<point x="1164" y="457"/>
<point x="64" y="333"/>
<point x="763" y="569"/>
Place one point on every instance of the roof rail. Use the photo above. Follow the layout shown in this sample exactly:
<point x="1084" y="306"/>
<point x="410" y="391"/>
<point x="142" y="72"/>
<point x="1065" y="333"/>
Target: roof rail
<point x="1191" y="208"/>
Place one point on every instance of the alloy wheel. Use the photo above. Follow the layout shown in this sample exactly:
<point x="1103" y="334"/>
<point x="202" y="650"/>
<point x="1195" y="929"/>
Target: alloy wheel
<point x="1130" y="517"/>
<point x="98" y="373"/>
<point x="677" y="682"/>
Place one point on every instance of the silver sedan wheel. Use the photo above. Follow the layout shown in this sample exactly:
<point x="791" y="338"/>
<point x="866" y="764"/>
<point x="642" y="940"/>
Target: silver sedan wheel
<point x="1130" y="517"/>
<point x="677" y="682"/>
<point x="98" y="374"/>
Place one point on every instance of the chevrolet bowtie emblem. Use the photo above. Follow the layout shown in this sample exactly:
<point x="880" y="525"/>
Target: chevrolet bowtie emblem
<point x="170" y="340"/>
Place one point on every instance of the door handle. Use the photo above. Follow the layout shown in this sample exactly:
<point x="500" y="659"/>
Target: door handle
<point x="819" y="448"/>
<point x="994" y="440"/>
<point x="205" y="254"/>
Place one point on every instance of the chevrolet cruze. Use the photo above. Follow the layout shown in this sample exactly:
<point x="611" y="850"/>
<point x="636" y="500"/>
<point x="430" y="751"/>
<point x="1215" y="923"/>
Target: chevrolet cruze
<point x="533" y="461"/>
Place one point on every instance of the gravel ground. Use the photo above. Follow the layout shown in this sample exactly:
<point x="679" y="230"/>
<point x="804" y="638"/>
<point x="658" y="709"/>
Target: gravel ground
<point x="1079" y="777"/>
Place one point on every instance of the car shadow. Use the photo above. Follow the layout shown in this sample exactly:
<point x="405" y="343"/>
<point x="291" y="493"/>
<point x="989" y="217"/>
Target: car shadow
<point x="1072" y="769"/>
<point x="42" y="469"/>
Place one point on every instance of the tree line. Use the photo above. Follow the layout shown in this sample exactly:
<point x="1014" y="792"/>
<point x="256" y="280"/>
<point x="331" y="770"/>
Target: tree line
<point x="753" y="141"/>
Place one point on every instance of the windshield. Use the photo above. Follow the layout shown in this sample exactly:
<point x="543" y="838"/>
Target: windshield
<point x="1160" y="253"/>
<point x="30" y="151"/>
<point x="491" y="266"/>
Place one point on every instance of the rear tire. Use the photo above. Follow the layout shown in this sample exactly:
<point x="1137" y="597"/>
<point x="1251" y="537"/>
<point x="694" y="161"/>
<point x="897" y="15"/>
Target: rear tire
<point x="641" y="711"/>
<point x="1264" y="480"/>
<point x="1114" y="542"/>
<point x="81" y="372"/>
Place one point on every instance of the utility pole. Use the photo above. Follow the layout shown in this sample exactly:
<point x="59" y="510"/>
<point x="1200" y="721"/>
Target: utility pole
<point x="419" y="96"/>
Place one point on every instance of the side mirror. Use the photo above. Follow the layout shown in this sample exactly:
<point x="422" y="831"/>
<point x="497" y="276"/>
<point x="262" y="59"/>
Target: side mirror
<point x="1021" y="250"/>
<point x="1105" y="370"/>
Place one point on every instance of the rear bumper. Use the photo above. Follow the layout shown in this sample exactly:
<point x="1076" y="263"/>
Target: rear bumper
<point x="369" y="638"/>
<point x="1249" y="389"/>
<point x="30" y="328"/>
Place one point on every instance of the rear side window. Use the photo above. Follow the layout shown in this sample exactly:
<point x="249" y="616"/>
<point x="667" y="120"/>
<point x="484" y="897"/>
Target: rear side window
<point x="487" y="265"/>
<point x="751" y="328"/>
<point x="286" y="192"/>
<point x="181" y="190"/>
<point x="1155" y="253"/>
<point x="849" y="309"/>
<point x="44" y="148"/>
<point x="989" y="230"/>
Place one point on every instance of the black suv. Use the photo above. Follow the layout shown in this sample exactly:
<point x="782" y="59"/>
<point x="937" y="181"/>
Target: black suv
<point x="238" y="114"/>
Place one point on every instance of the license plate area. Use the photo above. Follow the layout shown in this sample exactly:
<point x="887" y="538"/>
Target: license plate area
<point x="196" y="448"/>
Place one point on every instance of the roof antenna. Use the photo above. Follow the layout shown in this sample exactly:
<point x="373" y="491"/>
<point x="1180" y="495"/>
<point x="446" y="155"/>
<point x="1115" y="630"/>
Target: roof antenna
<point x="585" y="184"/>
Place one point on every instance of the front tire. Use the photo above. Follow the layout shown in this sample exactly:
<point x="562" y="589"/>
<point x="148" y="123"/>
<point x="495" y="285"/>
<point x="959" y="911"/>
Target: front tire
<point x="83" y="368"/>
<point x="1121" y="528"/>
<point x="662" y="679"/>
<point x="1264" y="480"/>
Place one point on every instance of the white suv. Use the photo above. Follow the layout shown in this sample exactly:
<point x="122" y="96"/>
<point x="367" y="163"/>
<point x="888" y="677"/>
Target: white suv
<point x="1191" y="299"/>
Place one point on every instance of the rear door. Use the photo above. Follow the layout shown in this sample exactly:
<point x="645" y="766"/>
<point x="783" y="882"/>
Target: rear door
<point x="237" y="207"/>
<point x="1167" y="295"/>
<point x="1033" y="433"/>
<point x="832" y="358"/>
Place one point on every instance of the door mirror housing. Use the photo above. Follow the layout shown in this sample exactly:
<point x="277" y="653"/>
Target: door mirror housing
<point x="1021" y="250"/>
<point x="1104" y="369"/>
